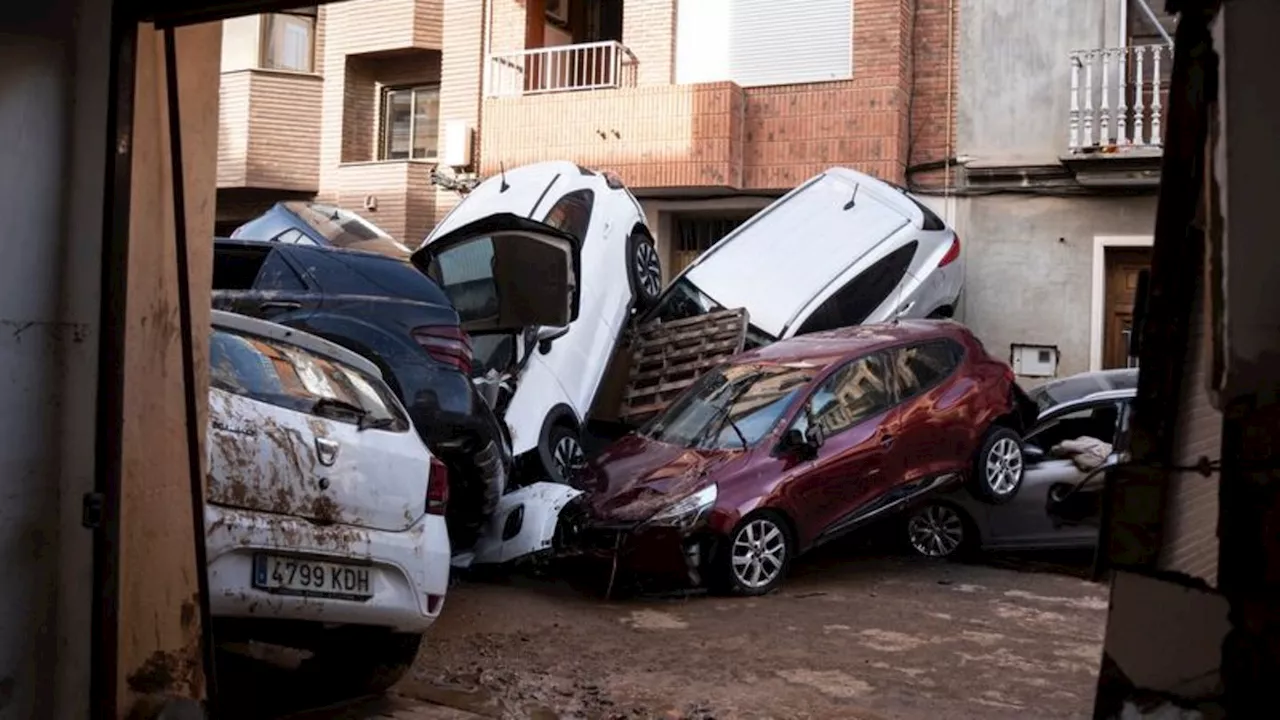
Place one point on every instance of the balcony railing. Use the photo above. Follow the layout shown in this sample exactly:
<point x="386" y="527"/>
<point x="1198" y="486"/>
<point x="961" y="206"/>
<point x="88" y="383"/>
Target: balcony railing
<point x="563" y="68"/>
<point x="1119" y="98"/>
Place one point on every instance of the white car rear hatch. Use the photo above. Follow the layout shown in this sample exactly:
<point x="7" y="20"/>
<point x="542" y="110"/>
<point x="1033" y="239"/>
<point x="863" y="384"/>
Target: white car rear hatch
<point x="301" y="427"/>
<point x="778" y="260"/>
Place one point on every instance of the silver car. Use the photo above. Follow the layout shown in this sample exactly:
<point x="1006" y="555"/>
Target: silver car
<point x="1095" y="404"/>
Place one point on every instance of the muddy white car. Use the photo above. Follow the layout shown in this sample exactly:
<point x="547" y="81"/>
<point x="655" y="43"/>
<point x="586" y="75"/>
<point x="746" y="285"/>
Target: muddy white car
<point x="325" y="526"/>
<point x="548" y="374"/>
<point x="842" y="249"/>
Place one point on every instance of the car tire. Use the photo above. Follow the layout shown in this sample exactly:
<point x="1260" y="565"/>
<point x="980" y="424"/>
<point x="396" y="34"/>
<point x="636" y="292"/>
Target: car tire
<point x="939" y="530"/>
<point x="362" y="661"/>
<point x="755" y="557"/>
<point x="998" y="467"/>
<point x="644" y="270"/>
<point x="563" y="456"/>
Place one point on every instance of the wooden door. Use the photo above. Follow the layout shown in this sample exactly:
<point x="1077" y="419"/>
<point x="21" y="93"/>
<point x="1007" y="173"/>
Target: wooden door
<point x="1123" y="266"/>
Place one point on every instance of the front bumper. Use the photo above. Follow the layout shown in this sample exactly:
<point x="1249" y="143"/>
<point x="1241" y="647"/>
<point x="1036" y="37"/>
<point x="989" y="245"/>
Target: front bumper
<point x="409" y="569"/>
<point x="650" y="551"/>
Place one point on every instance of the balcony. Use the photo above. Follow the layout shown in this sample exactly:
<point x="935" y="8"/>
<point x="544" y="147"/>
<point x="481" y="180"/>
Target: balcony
<point x="381" y="26"/>
<point x="603" y="65"/>
<point x="269" y="130"/>
<point x="1118" y="107"/>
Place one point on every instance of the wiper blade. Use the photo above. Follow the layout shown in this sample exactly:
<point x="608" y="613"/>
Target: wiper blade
<point x="326" y="404"/>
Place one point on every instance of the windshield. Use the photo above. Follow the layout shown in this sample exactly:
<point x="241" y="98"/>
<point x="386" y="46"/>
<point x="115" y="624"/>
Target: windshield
<point x="1073" y="388"/>
<point x="733" y="406"/>
<point x="345" y="229"/>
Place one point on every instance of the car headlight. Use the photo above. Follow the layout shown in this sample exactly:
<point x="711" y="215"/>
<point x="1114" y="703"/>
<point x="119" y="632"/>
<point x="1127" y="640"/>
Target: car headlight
<point x="688" y="511"/>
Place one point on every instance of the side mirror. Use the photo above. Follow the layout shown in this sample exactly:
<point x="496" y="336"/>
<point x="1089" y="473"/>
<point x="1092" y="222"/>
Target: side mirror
<point x="547" y="335"/>
<point x="814" y="437"/>
<point x="801" y="444"/>
<point x="1033" y="453"/>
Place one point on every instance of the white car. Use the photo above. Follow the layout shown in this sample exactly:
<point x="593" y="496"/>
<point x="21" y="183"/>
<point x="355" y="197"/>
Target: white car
<point x="325" y="526"/>
<point x="842" y="249"/>
<point x="551" y="373"/>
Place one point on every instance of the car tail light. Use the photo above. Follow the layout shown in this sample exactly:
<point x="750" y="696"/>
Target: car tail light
<point x="447" y="343"/>
<point x="437" y="488"/>
<point x="953" y="252"/>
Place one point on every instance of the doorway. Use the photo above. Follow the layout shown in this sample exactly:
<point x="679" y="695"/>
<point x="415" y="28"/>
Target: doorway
<point x="1121" y="282"/>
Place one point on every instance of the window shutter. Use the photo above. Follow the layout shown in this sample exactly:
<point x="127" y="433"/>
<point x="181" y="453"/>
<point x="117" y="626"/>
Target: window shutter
<point x="780" y="42"/>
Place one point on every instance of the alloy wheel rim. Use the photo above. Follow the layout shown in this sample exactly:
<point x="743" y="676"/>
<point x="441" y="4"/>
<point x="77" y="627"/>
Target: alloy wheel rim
<point x="1004" y="466"/>
<point x="568" y="457"/>
<point x="759" y="553"/>
<point x="936" y="531"/>
<point x="648" y="268"/>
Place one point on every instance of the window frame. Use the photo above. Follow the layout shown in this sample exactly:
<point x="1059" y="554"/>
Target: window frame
<point x="819" y="382"/>
<point x="385" y="94"/>
<point x="309" y="15"/>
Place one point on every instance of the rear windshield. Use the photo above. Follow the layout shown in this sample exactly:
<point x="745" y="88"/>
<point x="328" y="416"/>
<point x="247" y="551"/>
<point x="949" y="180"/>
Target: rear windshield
<point x="345" y="229"/>
<point x="359" y="273"/>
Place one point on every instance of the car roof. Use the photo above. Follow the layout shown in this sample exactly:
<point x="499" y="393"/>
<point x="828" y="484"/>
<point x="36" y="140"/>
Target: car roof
<point x="243" y="324"/>
<point x="1086" y="384"/>
<point x="832" y="346"/>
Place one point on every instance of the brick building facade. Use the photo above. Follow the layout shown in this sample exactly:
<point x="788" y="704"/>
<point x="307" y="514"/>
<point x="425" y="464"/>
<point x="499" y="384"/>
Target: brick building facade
<point x="600" y="83"/>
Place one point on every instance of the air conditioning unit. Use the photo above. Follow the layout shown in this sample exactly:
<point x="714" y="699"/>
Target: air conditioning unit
<point x="457" y="144"/>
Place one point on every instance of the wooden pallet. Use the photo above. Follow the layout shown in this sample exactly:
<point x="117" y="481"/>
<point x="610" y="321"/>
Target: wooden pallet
<point x="666" y="358"/>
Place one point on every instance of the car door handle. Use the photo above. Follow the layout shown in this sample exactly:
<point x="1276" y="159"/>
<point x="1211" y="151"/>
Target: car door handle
<point x="886" y="440"/>
<point x="279" y="305"/>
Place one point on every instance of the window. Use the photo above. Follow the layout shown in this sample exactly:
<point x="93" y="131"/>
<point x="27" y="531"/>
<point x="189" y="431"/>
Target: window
<point x="853" y="303"/>
<point x="920" y="367"/>
<point x="696" y="234"/>
<point x="1095" y="421"/>
<point x="293" y="236"/>
<point x="781" y="42"/>
<point x="572" y="213"/>
<point x="410" y="123"/>
<point x="854" y="393"/>
<point x="253" y="268"/>
<point x="291" y="377"/>
<point x="288" y="40"/>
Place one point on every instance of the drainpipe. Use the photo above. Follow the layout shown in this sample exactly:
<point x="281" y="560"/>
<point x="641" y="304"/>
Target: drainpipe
<point x="951" y="58"/>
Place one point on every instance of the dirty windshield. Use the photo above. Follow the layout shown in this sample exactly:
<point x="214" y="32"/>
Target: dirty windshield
<point x="345" y="229"/>
<point x="731" y="407"/>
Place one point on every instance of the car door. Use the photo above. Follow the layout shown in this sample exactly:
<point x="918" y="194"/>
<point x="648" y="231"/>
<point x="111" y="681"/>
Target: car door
<point x="931" y="428"/>
<point x="852" y="406"/>
<point x="258" y="279"/>
<point x="1075" y="511"/>
<point x="1025" y="520"/>
<point x="505" y="273"/>
<point x="295" y="433"/>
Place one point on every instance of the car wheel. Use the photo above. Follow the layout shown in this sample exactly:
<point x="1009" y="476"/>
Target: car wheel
<point x="362" y="661"/>
<point x="997" y="469"/>
<point x="563" y="458"/>
<point x="756" y="556"/>
<point x="645" y="271"/>
<point x="938" y="530"/>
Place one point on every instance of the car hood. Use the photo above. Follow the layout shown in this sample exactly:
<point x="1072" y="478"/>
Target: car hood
<point x="637" y="477"/>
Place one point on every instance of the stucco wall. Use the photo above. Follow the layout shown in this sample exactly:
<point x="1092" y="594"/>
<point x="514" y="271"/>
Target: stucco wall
<point x="1029" y="266"/>
<point x="53" y="68"/>
<point x="1015" y="74"/>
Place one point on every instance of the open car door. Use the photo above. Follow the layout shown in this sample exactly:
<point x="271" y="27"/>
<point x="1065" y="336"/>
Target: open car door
<point x="504" y="273"/>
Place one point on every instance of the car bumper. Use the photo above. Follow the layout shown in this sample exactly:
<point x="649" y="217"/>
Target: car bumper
<point x="409" y="569"/>
<point x="651" y="551"/>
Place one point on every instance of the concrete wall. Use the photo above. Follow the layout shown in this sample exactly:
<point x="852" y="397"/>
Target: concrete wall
<point x="53" y="95"/>
<point x="1029" y="266"/>
<point x="1015" y="74"/>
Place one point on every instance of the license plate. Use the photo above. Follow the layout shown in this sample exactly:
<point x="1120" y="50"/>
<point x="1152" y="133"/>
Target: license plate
<point x="300" y="576"/>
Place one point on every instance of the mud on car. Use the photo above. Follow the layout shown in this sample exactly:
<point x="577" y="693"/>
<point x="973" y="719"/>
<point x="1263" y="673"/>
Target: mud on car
<point x="786" y="447"/>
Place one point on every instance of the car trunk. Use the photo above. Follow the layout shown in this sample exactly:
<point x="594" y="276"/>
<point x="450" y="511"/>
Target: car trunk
<point x="270" y="459"/>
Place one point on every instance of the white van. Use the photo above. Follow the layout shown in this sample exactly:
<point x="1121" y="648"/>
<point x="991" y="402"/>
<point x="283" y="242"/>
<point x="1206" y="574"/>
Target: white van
<point x="842" y="249"/>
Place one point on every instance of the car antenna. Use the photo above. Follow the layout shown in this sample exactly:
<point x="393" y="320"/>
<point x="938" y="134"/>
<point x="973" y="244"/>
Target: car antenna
<point x="502" y="168"/>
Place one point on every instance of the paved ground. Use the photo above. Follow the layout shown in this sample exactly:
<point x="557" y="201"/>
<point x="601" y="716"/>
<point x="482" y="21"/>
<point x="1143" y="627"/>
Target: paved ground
<point x="850" y="636"/>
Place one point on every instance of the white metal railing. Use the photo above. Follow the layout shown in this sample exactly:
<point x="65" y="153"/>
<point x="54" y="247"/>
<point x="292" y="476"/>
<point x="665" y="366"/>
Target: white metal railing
<point x="1119" y="97"/>
<point x="562" y="68"/>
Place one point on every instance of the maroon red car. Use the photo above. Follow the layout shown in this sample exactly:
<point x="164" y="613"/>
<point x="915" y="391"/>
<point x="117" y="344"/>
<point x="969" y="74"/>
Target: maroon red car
<point x="788" y="446"/>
